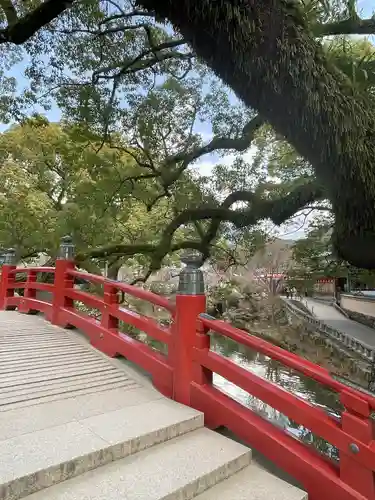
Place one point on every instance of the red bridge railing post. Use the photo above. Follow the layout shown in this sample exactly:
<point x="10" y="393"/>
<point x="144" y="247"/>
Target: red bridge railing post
<point x="358" y="421"/>
<point x="64" y="262"/>
<point x="7" y="278"/>
<point x="190" y="302"/>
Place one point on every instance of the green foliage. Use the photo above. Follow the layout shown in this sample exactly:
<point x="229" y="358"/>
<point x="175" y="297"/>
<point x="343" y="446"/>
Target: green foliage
<point x="55" y="182"/>
<point x="314" y="256"/>
<point x="118" y="169"/>
<point x="355" y="58"/>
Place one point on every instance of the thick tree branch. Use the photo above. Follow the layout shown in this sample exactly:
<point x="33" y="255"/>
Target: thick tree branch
<point x="353" y="26"/>
<point x="9" y="11"/>
<point x="129" y="250"/>
<point x="185" y="158"/>
<point x="278" y="210"/>
<point x="26" y="26"/>
<point x="268" y="55"/>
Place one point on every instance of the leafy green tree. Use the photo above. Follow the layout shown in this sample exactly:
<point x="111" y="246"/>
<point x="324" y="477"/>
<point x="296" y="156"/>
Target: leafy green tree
<point x="314" y="257"/>
<point x="98" y="55"/>
<point x="54" y="181"/>
<point x="114" y="198"/>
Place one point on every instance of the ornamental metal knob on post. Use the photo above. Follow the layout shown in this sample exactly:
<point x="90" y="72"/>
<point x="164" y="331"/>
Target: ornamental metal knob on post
<point x="191" y="280"/>
<point x="10" y="258"/>
<point x="67" y="248"/>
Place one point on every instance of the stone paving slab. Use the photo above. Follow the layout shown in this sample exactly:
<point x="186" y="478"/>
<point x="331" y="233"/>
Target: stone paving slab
<point x="40" y="459"/>
<point x="253" y="483"/>
<point x="20" y="421"/>
<point x="34" y="371"/>
<point x="177" y="469"/>
<point x="52" y="445"/>
<point x="332" y="317"/>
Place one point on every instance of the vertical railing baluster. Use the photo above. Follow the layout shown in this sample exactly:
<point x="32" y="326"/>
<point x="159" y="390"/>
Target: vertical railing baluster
<point x="29" y="292"/>
<point x="108" y="321"/>
<point x="62" y="281"/>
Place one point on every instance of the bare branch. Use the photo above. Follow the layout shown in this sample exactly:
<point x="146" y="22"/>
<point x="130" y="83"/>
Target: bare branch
<point x="126" y="15"/>
<point x="107" y="31"/>
<point x="239" y="143"/>
<point x="117" y="6"/>
<point x="141" y="62"/>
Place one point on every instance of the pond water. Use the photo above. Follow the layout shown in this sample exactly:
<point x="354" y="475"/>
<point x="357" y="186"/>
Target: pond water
<point x="290" y="380"/>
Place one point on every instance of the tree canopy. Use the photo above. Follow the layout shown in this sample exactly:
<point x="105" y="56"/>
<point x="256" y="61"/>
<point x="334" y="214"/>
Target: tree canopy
<point x="54" y="183"/>
<point x="59" y="179"/>
<point x="142" y="75"/>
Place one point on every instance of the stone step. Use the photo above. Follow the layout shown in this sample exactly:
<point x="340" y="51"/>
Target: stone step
<point x="29" y="380"/>
<point x="45" y="354"/>
<point x="68" y="386"/>
<point x="37" y="460"/>
<point x="42" y="399"/>
<point x="179" y="469"/>
<point x="33" y="369"/>
<point x="253" y="483"/>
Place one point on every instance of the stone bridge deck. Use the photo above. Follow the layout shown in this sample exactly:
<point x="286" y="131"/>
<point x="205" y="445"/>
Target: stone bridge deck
<point x="76" y="425"/>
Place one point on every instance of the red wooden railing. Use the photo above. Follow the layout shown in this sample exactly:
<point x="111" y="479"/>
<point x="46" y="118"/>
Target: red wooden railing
<point x="185" y="375"/>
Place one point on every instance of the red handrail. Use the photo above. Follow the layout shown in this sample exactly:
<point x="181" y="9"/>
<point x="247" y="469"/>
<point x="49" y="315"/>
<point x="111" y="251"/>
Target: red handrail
<point x="146" y="295"/>
<point x="185" y="374"/>
<point x="314" y="419"/>
<point x="288" y="359"/>
<point x="137" y="292"/>
<point x="32" y="269"/>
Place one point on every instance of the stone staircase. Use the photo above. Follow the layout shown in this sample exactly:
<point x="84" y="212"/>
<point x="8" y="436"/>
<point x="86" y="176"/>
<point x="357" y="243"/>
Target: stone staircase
<point x="145" y="450"/>
<point x="85" y="427"/>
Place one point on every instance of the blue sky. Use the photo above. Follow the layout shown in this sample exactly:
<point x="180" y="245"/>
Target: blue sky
<point x="365" y="8"/>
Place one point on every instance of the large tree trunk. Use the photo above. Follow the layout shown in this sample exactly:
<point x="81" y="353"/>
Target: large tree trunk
<point x="263" y="50"/>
